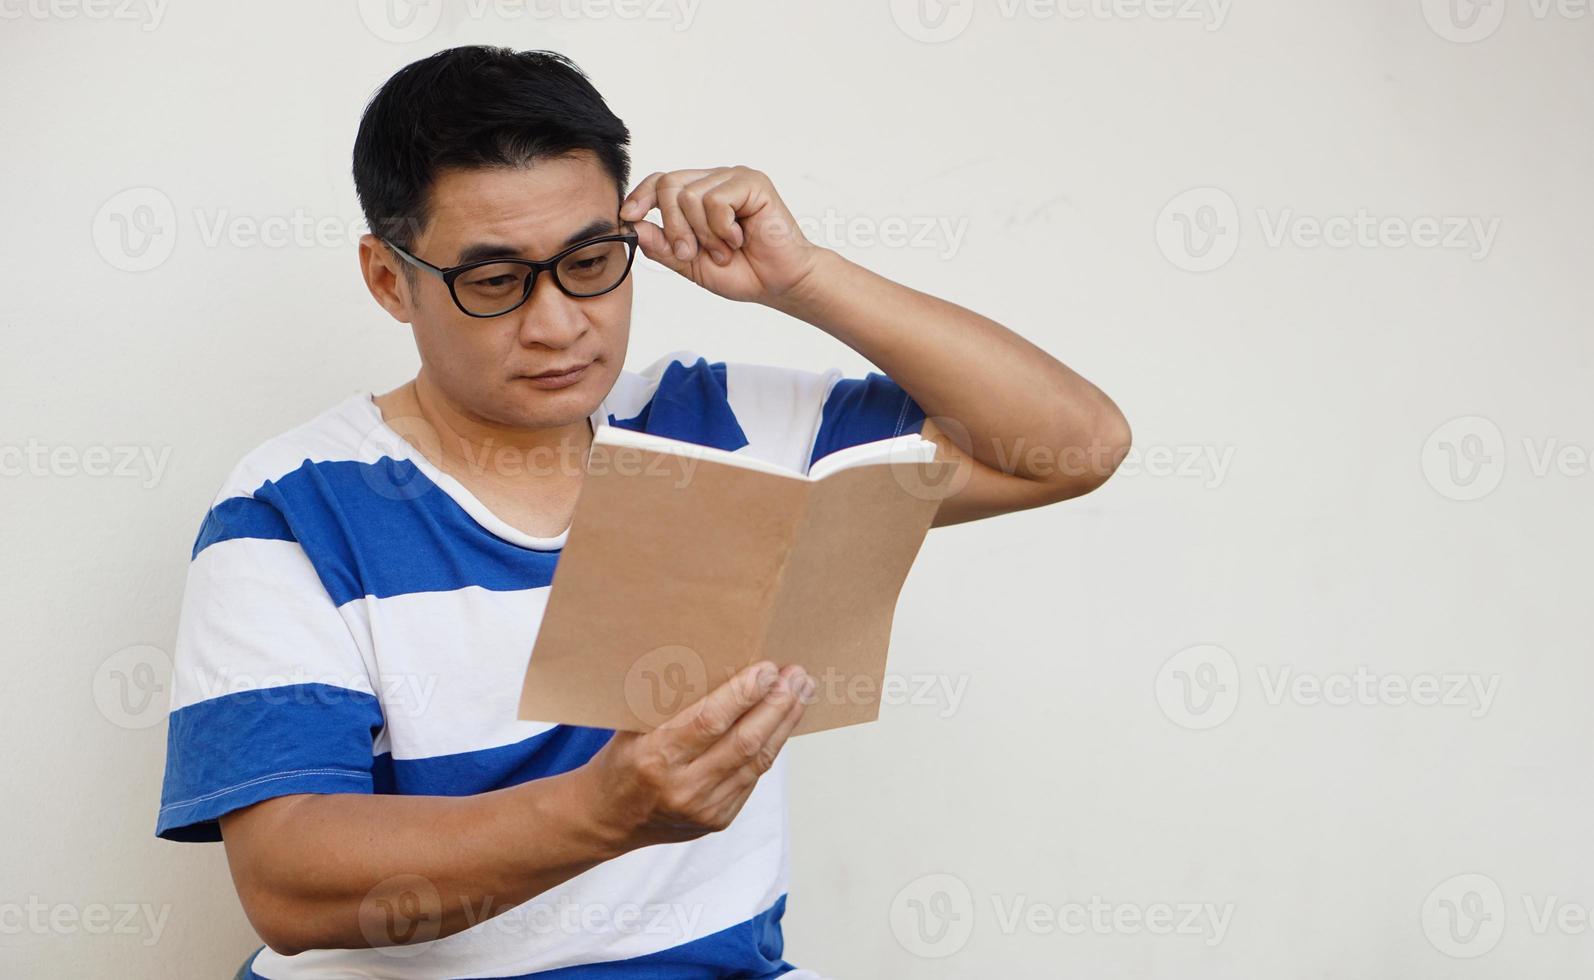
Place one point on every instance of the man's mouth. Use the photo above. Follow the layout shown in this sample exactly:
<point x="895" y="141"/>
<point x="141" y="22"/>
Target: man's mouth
<point x="559" y="377"/>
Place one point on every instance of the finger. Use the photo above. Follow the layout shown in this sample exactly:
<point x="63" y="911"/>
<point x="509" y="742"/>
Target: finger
<point x="692" y="206"/>
<point x="782" y="732"/>
<point x="642" y="198"/>
<point x="645" y="196"/>
<point x="723" y="204"/>
<point x="726" y="800"/>
<point x="748" y="741"/>
<point x="650" y="238"/>
<point x="734" y="789"/>
<point x="702" y="723"/>
<point x="676" y="228"/>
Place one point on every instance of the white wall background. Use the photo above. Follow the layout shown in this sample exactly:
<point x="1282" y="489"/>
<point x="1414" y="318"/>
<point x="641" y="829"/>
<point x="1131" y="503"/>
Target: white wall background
<point x="1301" y="505"/>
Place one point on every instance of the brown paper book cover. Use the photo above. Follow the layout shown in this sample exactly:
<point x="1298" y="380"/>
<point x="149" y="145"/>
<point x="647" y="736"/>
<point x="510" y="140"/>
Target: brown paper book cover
<point x="686" y="563"/>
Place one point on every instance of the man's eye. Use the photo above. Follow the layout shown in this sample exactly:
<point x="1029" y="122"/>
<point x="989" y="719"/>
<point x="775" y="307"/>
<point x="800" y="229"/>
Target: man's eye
<point x="493" y="282"/>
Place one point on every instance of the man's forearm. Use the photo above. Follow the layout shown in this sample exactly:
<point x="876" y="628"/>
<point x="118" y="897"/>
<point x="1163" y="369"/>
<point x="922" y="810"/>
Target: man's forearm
<point x="1008" y="393"/>
<point x="347" y="870"/>
<point x="342" y="871"/>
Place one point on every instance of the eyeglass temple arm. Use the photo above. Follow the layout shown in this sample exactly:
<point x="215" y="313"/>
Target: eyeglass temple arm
<point x="422" y="263"/>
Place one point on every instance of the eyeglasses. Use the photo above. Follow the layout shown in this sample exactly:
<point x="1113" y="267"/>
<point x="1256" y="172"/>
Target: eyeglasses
<point x="493" y="287"/>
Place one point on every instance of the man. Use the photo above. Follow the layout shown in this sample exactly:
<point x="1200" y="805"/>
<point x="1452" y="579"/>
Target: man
<point x="365" y="590"/>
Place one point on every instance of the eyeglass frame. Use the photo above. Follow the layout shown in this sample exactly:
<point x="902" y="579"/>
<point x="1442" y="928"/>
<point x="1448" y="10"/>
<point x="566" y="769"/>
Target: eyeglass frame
<point x="450" y="273"/>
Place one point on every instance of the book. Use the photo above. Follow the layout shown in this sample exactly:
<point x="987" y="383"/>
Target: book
<point x="686" y="563"/>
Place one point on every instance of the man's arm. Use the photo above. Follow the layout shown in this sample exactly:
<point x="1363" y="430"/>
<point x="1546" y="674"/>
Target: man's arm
<point x="1025" y="428"/>
<point x="1033" y="431"/>
<point x="345" y="870"/>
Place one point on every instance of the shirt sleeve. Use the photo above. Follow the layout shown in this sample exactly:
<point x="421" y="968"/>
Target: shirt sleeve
<point x="270" y="692"/>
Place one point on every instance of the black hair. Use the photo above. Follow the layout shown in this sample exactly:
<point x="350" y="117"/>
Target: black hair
<point x="472" y="107"/>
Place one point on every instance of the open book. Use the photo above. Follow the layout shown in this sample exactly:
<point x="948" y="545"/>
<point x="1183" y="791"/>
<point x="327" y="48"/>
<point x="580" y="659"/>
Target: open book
<point x="685" y="564"/>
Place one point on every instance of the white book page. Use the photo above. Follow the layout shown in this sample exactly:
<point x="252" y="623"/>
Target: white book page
<point x="910" y="448"/>
<point x="609" y="435"/>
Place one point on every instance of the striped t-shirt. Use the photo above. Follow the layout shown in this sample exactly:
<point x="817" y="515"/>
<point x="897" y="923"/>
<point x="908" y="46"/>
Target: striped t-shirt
<point x="356" y="621"/>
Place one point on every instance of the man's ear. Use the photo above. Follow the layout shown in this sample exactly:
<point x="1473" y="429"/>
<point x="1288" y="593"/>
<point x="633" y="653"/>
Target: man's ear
<point x="384" y="278"/>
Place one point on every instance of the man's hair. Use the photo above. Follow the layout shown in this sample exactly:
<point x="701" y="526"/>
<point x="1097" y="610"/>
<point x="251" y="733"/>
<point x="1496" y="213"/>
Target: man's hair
<point x="474" y="107"/>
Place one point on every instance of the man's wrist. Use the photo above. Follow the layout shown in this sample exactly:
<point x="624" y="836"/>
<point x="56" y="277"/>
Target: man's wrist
<point x="566" y="809"/>
<point x="597" y="829"/>
<point x="805" y="299"/>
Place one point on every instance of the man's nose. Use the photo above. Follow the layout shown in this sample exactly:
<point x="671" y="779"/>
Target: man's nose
<point x="550" y="318"/>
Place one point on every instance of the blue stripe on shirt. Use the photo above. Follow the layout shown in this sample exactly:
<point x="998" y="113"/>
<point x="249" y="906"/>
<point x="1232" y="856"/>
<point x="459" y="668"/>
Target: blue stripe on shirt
<point x="691" y="403"/>
<point x="316" y="738"/>
<point x="379" y="529"/>
<point x="230" y="751"/>
<point x="860" y="410"/>
<point x="549" y="753"/>
<point x="241" y="517"/>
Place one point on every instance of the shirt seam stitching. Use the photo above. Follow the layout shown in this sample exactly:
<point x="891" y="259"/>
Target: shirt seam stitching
<point x="351" y="773"/>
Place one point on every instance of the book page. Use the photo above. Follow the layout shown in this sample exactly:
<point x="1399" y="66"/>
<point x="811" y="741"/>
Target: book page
<point x="909" y="448"/>
<point x="861" y="529"/>
<point x="627" y="439"/>
<point x="662" y="590"/>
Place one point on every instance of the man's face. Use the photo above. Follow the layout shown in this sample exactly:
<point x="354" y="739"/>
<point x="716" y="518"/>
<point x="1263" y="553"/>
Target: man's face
<point x="485" y="366"/>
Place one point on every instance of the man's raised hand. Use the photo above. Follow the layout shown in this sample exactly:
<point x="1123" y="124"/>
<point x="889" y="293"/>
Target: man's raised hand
<point x="724" y="228"/>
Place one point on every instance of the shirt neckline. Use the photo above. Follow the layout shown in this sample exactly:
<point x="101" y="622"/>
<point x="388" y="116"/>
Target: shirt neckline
<point x="457" y="491"/>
